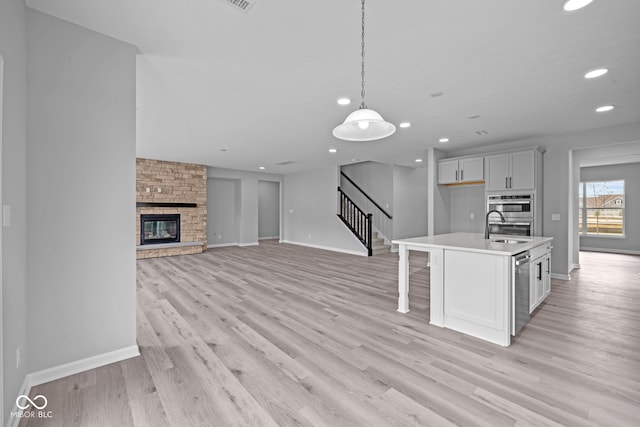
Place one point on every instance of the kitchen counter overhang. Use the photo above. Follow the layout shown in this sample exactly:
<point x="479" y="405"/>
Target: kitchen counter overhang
<point x="475" y="242"/>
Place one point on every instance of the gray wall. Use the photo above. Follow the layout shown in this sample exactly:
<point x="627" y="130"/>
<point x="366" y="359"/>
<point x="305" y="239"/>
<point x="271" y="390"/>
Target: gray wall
<point x="13" y="48"/>
<point x="376" y="179"/>
<point x="268" y="209"/>
<point x="409" y="202"/>
<point x="223" y="221"/>
<point x="310" y="211"/>
<point x="465" y="201"/>
<point x="246" y="201"/>
<point x="81" y="193"/>
<point x="630" y="173"/>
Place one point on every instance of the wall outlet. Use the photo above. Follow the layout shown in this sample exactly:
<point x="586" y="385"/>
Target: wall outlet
<point x="472" y="216"/>
<point x="309" y="236"/>
<point x="555" y="217"/>
<point x="18" y="351"/>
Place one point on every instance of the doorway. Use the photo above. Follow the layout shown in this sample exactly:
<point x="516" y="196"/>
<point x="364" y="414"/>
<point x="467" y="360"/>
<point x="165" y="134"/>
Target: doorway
<point x="268" y="210"/>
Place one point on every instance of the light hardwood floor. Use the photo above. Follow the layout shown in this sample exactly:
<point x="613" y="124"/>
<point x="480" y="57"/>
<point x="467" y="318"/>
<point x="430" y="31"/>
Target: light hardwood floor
<point x="293" y="336"/>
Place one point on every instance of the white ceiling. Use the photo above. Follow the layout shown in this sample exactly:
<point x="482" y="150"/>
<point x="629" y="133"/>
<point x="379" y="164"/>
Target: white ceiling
<point x="263" y="85"/>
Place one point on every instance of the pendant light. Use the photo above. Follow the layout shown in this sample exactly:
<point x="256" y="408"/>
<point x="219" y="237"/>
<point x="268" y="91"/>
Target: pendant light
<point x="363" y="124"/>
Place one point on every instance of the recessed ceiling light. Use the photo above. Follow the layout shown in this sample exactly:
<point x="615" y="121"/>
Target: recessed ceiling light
<point x="344" y="101"/>
<point x="262" y="168"/>
<point x="571" y="5"/>
<point x="604" y="108"/>
<point x="404" y="124"/>
<point x="443" y="140"/>
<point x="333" y="150"/>
<point x="596" y="73"/>
<point x="418" y="160"/>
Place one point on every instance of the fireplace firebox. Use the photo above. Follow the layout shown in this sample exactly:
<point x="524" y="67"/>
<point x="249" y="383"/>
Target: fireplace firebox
<point x="159" y="228"/>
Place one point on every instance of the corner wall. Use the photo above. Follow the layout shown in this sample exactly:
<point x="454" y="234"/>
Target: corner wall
<point x="13" y="48"/>
<point x="81" y="194"/>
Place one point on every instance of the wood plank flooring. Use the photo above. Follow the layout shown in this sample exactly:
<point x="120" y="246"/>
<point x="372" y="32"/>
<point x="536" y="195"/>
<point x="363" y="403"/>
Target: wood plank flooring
<point x="282" y="335"/>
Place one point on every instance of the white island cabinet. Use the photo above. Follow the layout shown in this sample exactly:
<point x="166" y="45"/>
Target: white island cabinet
<point x="471" y="281"/>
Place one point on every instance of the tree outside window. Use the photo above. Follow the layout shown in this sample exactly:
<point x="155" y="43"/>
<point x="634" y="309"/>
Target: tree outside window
<point x="601" y="208"/>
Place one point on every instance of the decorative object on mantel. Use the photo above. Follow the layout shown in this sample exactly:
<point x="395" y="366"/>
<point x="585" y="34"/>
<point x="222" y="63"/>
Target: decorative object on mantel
<point x="364" y="124"/>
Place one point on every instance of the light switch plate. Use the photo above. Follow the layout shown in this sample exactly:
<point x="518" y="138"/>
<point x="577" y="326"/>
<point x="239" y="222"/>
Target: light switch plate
<point x="555" y="217"/>
<point x="6" y="216"/>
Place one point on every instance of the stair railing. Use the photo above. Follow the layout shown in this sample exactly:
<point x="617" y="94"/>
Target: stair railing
<point x="359" y="222"/>
<point x="382" y="220"/>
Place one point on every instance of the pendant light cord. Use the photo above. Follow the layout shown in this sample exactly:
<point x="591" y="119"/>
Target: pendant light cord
<point x="362" y="105"/>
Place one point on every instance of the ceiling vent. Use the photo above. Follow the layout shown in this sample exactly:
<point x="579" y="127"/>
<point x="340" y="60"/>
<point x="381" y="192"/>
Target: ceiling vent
<point x="243" y="5"/>
<point x="286" y="162"/>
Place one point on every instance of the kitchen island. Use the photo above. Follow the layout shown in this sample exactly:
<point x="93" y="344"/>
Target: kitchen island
<point x="471" y="280"/>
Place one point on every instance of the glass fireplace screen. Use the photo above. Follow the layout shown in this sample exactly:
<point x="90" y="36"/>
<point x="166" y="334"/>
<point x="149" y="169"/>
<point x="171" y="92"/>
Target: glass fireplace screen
<point x="162" y="228"/>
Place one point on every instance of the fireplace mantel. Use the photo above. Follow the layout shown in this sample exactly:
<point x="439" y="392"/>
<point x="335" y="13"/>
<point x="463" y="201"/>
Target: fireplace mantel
<point x="165" y="205"/>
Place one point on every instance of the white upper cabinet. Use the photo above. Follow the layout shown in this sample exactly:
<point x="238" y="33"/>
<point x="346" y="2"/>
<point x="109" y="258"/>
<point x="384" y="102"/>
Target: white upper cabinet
<point x="511" y="171"/>
<point x="459" y="171"/>
<point x="448" y="172"/>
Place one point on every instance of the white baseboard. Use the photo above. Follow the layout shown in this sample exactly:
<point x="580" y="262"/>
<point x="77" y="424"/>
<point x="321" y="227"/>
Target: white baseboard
<point x="612" y="251"/>
<point x="269" y="238"/>
<point x="326" y="248"/>
<point x="560" y="276"/>
<point x="249" y="244"/>
<point x="67" y="369"/>
<point x="71" y="368"/>
<point x="222" y="245"/>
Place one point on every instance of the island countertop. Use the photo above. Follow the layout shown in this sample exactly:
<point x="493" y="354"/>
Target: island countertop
<point x="475" y="242"/>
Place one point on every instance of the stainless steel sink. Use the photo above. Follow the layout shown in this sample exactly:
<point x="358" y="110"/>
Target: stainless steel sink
<point x="509" y="241"/>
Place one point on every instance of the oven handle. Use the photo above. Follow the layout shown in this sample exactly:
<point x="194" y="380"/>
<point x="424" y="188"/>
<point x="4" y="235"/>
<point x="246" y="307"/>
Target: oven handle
<point x="509" y="202"/>
<point x="510" y="223"/>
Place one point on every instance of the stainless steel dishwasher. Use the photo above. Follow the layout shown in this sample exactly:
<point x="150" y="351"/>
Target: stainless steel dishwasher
<point x="521" y="282"/>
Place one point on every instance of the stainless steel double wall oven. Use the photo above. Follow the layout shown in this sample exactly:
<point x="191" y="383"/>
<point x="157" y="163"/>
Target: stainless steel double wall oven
<point x="518" y="211"/>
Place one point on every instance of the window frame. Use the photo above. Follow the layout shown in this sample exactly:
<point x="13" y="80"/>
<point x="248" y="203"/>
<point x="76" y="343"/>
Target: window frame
<point x="583" y="230"/>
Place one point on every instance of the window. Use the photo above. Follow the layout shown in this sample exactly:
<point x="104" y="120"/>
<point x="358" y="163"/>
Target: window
<point x="601" y="208"/>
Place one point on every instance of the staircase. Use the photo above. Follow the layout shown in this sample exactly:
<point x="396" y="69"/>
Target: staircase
<point x="378" y="247"/>
<point x="361" y="225"/>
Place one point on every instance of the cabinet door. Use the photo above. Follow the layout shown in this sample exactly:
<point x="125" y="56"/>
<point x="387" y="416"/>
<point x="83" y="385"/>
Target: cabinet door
<point x="533" y="302"/>
<point x="536" y="283"/>
<point x="448" y="172"/>
<point x="497" y="171"/>
<point x="522" y="171"/>
<point x="546" y="276"/>
<point x="471" y="169"/>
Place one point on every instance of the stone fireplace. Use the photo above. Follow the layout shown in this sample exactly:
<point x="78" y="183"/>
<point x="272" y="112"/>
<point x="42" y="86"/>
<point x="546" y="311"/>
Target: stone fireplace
<point x="171" y="208"/>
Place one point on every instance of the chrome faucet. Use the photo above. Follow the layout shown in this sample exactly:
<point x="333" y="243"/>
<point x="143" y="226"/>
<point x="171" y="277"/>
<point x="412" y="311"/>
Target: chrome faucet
<point x="486" y="222"/>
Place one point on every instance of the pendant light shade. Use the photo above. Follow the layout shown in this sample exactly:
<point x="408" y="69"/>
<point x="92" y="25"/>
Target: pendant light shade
<point x="364" y="125"/>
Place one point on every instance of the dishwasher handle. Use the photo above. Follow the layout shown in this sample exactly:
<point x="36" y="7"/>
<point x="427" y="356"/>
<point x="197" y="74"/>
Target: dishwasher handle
<point x="522" y="259"/>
